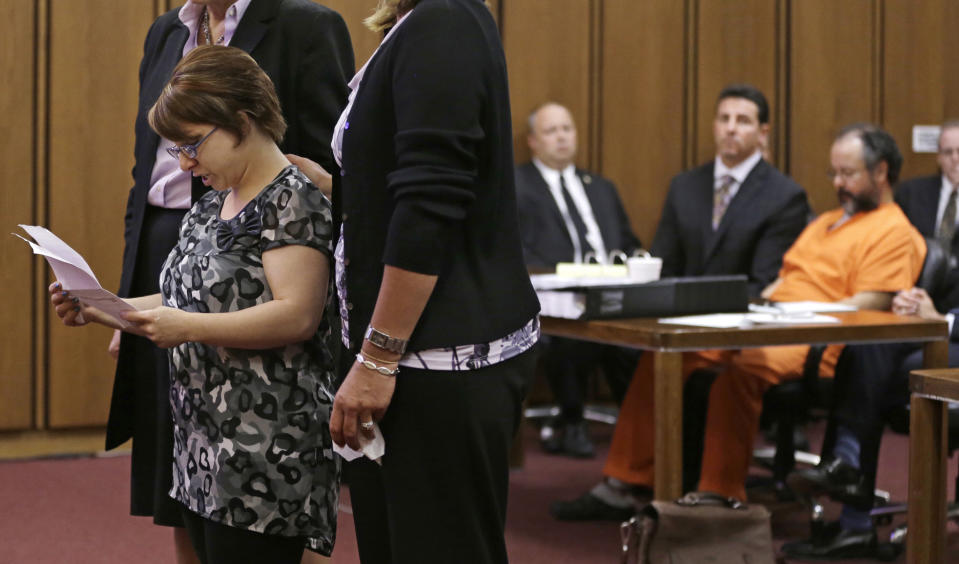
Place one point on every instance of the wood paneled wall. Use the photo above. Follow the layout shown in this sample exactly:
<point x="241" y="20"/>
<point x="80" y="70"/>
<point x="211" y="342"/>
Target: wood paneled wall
<point x="640" y="78"/>
<point x="642" y="129"/>
<point x="17" y="181"/>
<point x="92" y="99"/>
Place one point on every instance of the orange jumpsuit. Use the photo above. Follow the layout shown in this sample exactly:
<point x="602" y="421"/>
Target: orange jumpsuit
<point x="877" y="251"/>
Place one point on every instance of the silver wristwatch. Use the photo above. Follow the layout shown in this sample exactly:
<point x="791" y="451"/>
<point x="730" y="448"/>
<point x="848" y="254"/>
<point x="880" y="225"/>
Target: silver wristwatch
<point x="384" y="341"/>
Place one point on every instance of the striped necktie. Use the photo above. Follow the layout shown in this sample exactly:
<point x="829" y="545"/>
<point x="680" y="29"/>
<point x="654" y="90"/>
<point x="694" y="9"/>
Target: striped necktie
<point x="947" y="227"/>
<point x="721" y="198"/>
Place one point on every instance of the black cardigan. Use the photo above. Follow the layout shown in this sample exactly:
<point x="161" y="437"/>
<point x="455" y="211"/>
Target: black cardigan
<point x="427" y="179"/>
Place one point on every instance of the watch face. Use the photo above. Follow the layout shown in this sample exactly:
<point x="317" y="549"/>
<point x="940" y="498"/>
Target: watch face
<point x="384" y="341"/>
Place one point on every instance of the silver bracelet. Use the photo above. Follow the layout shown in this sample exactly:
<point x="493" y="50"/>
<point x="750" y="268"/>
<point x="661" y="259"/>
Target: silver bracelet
<point x="381" y="369"/>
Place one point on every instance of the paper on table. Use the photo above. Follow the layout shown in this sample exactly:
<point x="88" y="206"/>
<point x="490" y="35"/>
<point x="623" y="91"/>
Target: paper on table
<point x="730" y="320"/>
<point x="714" y="320"/>
<point x="555" y="299"/>
<point x="565" y="305"/>
<point x="789" y="318"/>
<point x="73" y="272"/>
<point x="815" y="307"/>
<point x="592" y="270"/>
<point x="556" y="282"/>
<point x="373" y="448"/>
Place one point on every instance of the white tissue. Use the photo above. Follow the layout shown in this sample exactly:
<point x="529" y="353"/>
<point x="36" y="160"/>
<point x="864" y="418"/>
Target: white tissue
<point x="371" y="448"/>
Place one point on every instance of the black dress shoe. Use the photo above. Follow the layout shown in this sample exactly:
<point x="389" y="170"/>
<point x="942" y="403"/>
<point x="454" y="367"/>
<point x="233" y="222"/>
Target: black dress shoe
<point x="588" y="507"/>
<point x="838" y="544"/>
<point x="576" y="441"/>
<point x="551" y="437"/>
<point x="834" y="477"/>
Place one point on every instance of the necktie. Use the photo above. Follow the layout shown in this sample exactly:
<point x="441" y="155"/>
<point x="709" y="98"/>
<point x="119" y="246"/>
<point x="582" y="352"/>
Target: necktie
<point x="947" y="227"/>
<point x="721" y="199"/>
<point x="577" y="219"/>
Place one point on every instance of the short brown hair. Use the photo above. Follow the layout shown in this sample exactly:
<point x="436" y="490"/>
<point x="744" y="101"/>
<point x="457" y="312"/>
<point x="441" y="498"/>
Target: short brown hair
<point x="213" y="85"/>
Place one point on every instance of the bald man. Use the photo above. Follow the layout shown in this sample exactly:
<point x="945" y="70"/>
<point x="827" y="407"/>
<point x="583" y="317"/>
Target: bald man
<point x="569" y="215"/>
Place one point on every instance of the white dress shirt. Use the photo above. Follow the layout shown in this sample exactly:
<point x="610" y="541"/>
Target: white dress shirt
<point x="738" y="172"/>
<point x="578" y="194"/>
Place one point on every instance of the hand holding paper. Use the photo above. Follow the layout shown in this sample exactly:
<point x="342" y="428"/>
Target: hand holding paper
<point x="74" y="274"/>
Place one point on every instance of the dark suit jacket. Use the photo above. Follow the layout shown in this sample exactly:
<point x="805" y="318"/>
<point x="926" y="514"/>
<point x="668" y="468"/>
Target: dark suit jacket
<point x="919" y="200"/>
<point x="763" y="220"/>
<point x="427" y="181"/>
<point x="306" y="50"/>
<point x="546" y="240"/>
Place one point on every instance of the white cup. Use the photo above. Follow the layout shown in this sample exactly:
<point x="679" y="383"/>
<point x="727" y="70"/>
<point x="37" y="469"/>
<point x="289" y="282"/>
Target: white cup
<point x="644" y="269"/>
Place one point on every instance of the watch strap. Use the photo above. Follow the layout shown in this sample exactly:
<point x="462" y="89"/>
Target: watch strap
<point x="384" y="341"/>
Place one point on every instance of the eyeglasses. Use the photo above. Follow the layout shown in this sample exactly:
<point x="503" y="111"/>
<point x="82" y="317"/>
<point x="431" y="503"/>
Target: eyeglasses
<point x="188" y="150"/>
<point x="845" y="173"/>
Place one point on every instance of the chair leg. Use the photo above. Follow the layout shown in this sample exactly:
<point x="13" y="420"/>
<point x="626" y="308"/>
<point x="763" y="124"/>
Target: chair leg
<point x="785" y="459"/>
<point x="956" y="494"/>
<point x="695" y="406"/>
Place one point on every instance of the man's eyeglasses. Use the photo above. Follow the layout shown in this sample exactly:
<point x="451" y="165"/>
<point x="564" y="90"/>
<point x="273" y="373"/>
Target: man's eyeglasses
<point x="188" y="150"/>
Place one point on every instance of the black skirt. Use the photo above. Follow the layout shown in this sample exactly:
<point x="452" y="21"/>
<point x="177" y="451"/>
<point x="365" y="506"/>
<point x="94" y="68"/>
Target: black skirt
<point x="146" y="379"/>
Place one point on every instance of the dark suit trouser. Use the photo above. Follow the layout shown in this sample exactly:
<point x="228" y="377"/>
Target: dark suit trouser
<point x="440" y="495"/>
<point x="871" y="380"/>
<point x="568" y="364"/>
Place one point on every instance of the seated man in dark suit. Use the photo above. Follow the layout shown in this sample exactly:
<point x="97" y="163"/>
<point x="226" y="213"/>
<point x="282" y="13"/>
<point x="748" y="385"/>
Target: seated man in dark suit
<point x="930" y="204"/>
<point x="735" y="214"/>
<point x="870" y="379"/>
<point x="568" y="215"/>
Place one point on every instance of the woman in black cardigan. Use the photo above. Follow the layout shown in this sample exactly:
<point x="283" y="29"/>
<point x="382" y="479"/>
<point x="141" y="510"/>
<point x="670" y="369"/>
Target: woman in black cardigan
<point x="438" y="312"/>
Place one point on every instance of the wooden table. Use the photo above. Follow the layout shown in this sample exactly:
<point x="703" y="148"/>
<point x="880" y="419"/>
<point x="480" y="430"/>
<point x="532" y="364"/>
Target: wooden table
<point x="668" y="342"/>
<point x="931" y="389"/>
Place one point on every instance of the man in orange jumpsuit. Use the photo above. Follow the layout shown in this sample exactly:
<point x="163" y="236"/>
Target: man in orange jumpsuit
<point x="858" y="254"/>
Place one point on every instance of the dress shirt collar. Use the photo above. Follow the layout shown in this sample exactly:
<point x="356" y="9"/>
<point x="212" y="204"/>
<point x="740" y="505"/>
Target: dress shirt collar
<point x="190" y="16"/>
<point x="551" y="174"/>
<point x="947" y="188"/>
<point x="738" y="172"/>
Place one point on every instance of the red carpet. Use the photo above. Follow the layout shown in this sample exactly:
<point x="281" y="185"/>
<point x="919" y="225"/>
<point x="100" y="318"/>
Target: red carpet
<point x="76" y="510"/>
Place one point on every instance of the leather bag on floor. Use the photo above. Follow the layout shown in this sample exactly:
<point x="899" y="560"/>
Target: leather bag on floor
<point x="698" y="528"/>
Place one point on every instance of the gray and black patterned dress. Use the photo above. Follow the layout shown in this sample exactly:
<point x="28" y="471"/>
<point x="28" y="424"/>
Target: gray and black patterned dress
<point x="252" y="447"/>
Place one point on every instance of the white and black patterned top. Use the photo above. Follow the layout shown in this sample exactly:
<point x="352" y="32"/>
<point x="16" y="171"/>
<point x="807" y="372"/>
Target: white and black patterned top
<point x="252" y="447"/>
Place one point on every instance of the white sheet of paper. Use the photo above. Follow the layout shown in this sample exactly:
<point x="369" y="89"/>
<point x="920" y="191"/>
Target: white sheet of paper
<point x="730" y="320"/>
<point x="564" y="305"/>
<point x="714" y="320"/>
<point x="555" y="281"/>
<point x="814" y="307"/>
<point x="73" y="272"/>
<point x="789" y="319"/>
